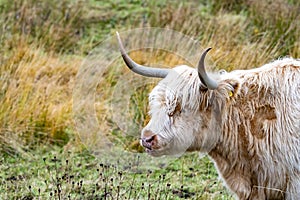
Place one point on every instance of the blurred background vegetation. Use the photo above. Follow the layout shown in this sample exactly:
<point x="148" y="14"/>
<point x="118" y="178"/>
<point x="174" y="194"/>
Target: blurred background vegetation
<point x="43" y="43"/>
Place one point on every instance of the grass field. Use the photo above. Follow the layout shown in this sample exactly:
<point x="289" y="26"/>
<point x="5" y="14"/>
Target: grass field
<point x="43" y="46"/>
<point x="62" y="175"/>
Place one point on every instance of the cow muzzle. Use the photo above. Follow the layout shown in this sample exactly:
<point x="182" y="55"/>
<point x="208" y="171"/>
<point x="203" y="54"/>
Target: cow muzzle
<point x="149" y="141"/>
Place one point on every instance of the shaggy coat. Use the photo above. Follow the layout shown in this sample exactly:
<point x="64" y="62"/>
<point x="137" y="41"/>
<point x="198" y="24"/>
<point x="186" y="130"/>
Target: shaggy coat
<point x="249" y="126"/>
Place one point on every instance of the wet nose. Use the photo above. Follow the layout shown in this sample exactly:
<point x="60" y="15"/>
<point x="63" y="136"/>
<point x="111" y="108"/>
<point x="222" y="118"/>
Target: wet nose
<point x="149" y="140"/>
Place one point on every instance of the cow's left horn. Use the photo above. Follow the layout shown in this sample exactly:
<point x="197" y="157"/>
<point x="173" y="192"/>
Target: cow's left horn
<point x="205" y="79"/>
<point x="139" y="69"/>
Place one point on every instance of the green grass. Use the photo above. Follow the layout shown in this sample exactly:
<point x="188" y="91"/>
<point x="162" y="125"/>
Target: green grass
<point x="43" y="44"/>
<point x="53" y="174"/>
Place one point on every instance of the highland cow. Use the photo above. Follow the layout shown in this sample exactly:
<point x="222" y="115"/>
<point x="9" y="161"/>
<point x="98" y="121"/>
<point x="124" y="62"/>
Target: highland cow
<point x="246" y="121"/>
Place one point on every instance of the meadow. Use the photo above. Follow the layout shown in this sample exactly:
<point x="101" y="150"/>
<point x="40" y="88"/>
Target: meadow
<point x="43" y="47"/>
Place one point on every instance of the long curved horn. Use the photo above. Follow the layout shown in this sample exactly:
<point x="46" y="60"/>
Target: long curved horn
<point x="208" y="82"/>
<point x="139" y="69"/>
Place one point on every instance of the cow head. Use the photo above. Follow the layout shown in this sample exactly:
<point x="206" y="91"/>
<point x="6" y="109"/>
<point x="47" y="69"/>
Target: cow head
<point x="184" y="108"/>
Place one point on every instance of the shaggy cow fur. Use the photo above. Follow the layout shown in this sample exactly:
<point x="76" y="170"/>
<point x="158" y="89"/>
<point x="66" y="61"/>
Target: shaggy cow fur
<point x="249" y="126"/>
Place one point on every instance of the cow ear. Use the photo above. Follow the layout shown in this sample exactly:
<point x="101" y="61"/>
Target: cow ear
<point x="234" y="87"/>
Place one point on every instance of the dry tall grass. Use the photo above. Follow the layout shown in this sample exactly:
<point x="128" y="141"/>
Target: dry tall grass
<point x="43" y="44"/>
<point x="36" y="97"/>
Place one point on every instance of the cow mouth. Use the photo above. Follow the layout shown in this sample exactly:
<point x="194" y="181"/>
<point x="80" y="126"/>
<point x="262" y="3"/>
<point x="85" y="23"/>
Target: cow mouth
<point x="146" y="145"/>
<point x="150" y="150"/>
<point x="152" y="147"/>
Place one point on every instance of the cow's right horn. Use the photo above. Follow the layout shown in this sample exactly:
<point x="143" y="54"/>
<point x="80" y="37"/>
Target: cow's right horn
<point x="139" y="69"/>
<point x="205" y="79"/>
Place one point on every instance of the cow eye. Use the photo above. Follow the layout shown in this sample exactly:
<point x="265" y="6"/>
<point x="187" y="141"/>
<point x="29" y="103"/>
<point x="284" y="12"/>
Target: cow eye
<point x="171" y="114"/>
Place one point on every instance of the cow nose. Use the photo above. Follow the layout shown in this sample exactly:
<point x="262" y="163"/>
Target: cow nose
<point x="149" y="141"/>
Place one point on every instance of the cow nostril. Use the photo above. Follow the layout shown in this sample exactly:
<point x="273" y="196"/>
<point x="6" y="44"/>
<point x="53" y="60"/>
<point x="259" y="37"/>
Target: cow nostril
<point x="150" y="139"/>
